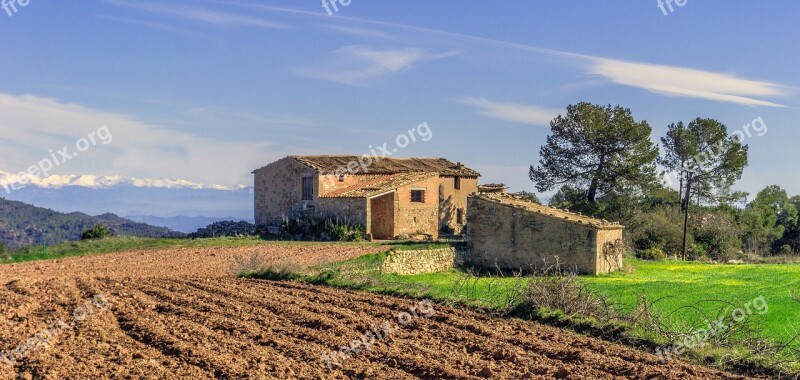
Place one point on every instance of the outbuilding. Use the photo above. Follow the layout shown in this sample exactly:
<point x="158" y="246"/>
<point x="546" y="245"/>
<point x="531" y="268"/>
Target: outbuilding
<point x="511" y="232"/>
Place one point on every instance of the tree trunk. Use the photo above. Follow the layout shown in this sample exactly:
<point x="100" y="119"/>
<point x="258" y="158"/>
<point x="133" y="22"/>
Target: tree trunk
<point x="591" y="195"/>
<point x="680" y="190"/>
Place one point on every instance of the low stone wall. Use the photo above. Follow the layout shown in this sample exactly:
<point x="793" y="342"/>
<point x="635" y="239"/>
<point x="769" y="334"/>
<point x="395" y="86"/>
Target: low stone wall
<point x="422" y="261"/>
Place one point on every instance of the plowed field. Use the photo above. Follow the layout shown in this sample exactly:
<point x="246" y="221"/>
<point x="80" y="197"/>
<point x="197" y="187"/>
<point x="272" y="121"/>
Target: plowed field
<point x="181" y="314"/>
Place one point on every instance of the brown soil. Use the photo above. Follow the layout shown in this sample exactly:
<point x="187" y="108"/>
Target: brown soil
<point x="181" y="314"/>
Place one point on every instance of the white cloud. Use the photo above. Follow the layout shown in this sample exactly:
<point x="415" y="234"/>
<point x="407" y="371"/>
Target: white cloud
<point x="661" y="79"/>
<point x="9" y="182"/>
<point x="684" y="82"/>
<point x="518" y="113"/>
<point x="199" y="14"/>
<point x="32" y="126"/>
<point x="356" y="65"/>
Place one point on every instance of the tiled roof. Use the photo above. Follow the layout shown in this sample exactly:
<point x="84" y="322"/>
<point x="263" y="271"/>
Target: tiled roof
<point x="491" y="186"/>
<point x="378" y="185"/>
<point x="388" y="165"/>
<point x="519" y="202"/>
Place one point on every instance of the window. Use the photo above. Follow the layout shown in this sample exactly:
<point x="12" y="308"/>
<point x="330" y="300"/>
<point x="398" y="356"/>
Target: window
<point x="460" y="216"/>
<point x="308" y="189"/>
<point x="418" y="196"/>
<point x="341" y="177"/>
<point x="457" y="183"/>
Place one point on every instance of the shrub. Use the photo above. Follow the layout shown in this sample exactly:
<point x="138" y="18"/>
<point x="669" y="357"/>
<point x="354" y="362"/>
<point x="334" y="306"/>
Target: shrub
<point x="316" y="228"/>
<point x="564" y="292"/>
<point x="717" y="235"/>
<point x="660" y="229"/>
<point x="98" y="231"/>
<point x="653" y="253"/>
<point x="225" y="228"/>
<point x="259" y="266"/>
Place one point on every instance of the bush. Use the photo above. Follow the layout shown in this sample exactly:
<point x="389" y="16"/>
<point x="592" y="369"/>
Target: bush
<point x="225" y="228"/>
<point x="259" y="266"/>
<point x="658" y="230"/>
<point x="717" y="235"/>
<point x="98" y="231"/>
<point x="564" y="292"/>
<point x="315" y="228"/>
<point x="653" y="254"/>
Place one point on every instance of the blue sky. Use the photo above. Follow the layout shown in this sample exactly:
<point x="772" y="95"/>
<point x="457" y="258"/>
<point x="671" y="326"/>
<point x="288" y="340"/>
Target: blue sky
<point x="207" y="91"/>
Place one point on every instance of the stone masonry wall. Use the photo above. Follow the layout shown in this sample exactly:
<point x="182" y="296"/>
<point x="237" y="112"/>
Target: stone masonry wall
<point x="452" y="199"/>
<point x="349" y="210"/>
<point x="279" y="190"/>
<point x="413" y="217"/>
<point x="422" y="261"/>
<point x="513" y="238"/>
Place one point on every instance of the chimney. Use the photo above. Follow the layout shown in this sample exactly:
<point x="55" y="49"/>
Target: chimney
<point x="460" y="166"/>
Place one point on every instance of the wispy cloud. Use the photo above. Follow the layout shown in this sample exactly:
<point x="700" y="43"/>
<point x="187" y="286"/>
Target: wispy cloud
<point x="208" y="16"/>
<point x="33" y="125"/>
<point x="665" y="80"/>
<point x="518" y="113"/>
<point x="152" y="25"/>
<point x="357" y="65"/>
<point x="360" y="32"/>
<point x="684" y="82"/>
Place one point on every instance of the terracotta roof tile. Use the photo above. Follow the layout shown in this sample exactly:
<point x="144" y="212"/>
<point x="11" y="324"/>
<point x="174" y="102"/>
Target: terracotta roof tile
<point x="519" y="202"/>
<point x="387" y="165"/>
<point x="378" y="185"/>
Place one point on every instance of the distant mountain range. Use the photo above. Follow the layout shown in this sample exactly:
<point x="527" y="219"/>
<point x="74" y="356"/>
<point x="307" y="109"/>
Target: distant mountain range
<point x="23" y="225"/>
<point x="175" y="203"/>
<point x="15" y="181"/>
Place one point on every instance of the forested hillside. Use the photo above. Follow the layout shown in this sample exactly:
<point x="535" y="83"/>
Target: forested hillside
<point x="22" y="225"/>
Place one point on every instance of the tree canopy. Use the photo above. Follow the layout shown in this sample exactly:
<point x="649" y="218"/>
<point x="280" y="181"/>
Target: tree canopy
<point x="705" y="159"/>
<point x="596" y="149"/>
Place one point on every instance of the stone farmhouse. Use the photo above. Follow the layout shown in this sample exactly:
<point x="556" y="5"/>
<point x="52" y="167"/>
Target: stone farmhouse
<point x="391" y="197"/>
<point x="510" y="232"/>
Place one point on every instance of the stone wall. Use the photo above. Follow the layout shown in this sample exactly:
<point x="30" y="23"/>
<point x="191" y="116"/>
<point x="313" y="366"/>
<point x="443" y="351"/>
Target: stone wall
<point x="610" y="250"/>
<point x="452" y="199"/>
<point x="279" y="191"/>
<point x="382" y="216"/>
<point x="422" y="261"/>
<point x="414" y="217"/>
<point x="514" y="237"/>
<point x="349" y="210"/>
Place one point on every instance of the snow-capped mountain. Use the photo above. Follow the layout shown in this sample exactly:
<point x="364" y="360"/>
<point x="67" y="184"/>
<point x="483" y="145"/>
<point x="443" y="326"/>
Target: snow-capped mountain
<point x="10" y="182"/>
<point x="160" y="198"/>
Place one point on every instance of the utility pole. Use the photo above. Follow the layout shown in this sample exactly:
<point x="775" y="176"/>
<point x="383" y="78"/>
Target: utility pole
<point x="686" y="212"/>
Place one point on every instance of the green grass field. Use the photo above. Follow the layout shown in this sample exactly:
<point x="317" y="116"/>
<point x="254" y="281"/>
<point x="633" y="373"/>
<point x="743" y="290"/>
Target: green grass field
<point x="681" y="284"/>
<point x="680" y="289"/>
